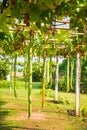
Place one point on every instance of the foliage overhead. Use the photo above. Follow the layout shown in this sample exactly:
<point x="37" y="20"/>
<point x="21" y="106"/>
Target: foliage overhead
<point x="42" y="13"/>
<point x="45" y="10"/>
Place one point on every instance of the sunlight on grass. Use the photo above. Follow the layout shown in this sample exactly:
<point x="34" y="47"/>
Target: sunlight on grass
<point x="13" y="112"/>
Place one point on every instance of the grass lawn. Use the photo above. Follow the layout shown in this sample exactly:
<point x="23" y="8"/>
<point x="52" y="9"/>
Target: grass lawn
<point x="14" y="116"/>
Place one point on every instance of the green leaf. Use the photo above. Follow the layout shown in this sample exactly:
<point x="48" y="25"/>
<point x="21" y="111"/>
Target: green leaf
<point x="58" y="2"/>
<point x="34" y="12"/>
<point x="48" y="1"/>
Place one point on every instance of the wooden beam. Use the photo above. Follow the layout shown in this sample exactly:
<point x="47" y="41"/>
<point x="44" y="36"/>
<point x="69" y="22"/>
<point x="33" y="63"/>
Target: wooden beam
<point x="26" y="30"/>
<point x="22" y="24"/>
<point x="77" y="34"/>
<point x="54" y="28"/>
<point x="58" y="47"/>
<point x="62" y="47"/>
<point x="72" y="37"/>
<point x="52" y="39"/>
<point x="62" y="21"/>
<point x="12" y="29"/>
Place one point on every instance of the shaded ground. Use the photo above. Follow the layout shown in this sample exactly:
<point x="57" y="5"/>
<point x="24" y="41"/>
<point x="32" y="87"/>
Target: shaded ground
<point x="13" y="114"/>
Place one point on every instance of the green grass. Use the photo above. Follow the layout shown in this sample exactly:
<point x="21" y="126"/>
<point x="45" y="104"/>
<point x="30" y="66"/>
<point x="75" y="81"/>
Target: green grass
<point x="13" y="112"/>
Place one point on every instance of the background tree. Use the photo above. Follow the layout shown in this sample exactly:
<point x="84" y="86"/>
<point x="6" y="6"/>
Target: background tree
<point x="4" y="68"/>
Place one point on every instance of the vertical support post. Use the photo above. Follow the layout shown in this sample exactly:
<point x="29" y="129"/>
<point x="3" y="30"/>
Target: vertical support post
<point x="50" y="82"/>
<point x="56" y="78"/>
<point x="77" y="82"/>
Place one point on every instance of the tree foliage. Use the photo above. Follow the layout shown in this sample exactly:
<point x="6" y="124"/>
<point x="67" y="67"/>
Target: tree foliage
<point x="4" y="68"/>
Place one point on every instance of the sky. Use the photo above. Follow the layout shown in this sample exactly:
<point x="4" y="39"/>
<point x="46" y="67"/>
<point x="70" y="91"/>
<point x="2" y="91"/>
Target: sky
<point x="21" y="59"/>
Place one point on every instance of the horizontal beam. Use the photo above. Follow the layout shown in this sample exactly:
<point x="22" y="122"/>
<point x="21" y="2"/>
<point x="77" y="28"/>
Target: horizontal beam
<point x="55" y="28"/>
<point x="77" y="34"/>
<point x="52" y="39"/>
<point x="22" y="24"/>
<point x="12" y="29"/>
<point x="62" y="21"/>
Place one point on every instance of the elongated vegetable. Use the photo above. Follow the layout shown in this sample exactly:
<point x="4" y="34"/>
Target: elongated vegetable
<point x="47" y="71"/>
<point x="43" y="81"/>
<point x="68" y="74"/>
<point x="10" y="88"/>
<point x="71" y="74"/>
<point x="15" y="61"/>
<point x="29" y="81"/>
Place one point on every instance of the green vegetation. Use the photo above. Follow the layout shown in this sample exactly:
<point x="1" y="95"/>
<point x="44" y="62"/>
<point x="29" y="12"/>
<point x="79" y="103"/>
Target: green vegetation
<point x="45" y="29"/>
<point x="4" y="68"/>
<point x="4" y="84"/>
<point x="37" y="71"/>
<point x="84" y="111"/>
<point x="14" y="115"/>
<point x="37" y="75"/>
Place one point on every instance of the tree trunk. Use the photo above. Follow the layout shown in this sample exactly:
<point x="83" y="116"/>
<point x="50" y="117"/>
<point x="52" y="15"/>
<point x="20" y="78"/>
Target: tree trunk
<point x="68" y="74"/>
<point x="77" y="82"/>
<point x="30" y="80"/>
<point x="43" y="81"/>
<point x="15" y="61"/>
<point x="56" y="78"/>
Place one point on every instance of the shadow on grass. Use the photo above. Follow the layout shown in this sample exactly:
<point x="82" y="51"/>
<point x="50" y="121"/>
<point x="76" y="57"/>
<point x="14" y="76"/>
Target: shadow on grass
<point x="53" y="101"/>
<point x="36" y="85"/>
<point x="3" y="114"/>
<point x="4" y="126"/>
<point x="21" y="79"/>
<point x="24" y="128"/>
<point x="2" y="103"/>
